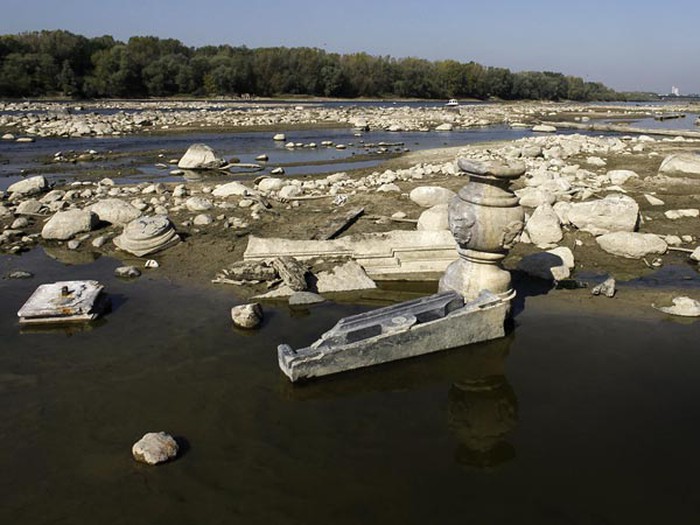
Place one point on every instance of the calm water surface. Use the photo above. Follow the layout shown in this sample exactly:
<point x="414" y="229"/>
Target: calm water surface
<point x="571" y="419"/>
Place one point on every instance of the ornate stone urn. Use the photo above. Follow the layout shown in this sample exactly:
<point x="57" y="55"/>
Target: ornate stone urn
<point x="485" y="219"/>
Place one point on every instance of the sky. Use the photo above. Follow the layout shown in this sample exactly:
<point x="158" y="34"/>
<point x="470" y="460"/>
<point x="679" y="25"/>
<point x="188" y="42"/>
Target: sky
<point x="628" y="45"/>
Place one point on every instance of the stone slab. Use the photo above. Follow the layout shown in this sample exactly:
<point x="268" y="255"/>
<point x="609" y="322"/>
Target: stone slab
<point x="396" y="255"/>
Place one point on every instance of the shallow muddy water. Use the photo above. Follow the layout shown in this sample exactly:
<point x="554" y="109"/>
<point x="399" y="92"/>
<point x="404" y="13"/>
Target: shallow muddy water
<point x="572" y="418"/>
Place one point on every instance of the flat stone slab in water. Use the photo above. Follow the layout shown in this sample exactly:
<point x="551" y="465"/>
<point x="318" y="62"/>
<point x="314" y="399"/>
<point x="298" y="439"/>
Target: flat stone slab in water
<point x="63" y="302"/>
<point x="408" y="329"/>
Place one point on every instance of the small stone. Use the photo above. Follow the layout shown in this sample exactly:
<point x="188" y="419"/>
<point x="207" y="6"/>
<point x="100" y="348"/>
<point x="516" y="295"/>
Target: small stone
<point x="20" y="274"/>
<point x="606" y="288"/>
<point x="73" y="244"/>
<point x="203" y="220"/>
<point x="127" y="272"/>
<point x="151" y="263"/>
<point x="247" y="315"/>
<point x="154" y="448"/>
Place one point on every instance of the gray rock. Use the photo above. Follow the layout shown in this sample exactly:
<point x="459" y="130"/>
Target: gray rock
<point x="4" y="211"/>
<point x="270" y="184"/>
<point x="606" y="288"/>
<point x="19" y="223"/>
<point x="543" y="227"/>
<point x="127" y="272"/>
<point x="681" y="214"/>
<point x="681" y="164"/>
<point x="196" y="204"/>
<point x="154" y="448"/>
<point x="632" y="245"/>
<point x="534" y="197"/>
<point x="429" y="196"/>
<point x="29" y="207"/>
<point x="614" y="213"/>
<point x="247" y="315"/>
<point x="66" y="224"/>
<point x="27" y="187"/>
<point x="203" y="220"/>
<point x="200" y="157"/>
<point x="305" y="298"/>
<point x="544" y="128"/>
<point x="115" y="211"/>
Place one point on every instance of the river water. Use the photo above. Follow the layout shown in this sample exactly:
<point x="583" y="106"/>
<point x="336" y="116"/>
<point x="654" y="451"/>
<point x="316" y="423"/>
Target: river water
<point x="572" y="418"/>
<point x="569" y="419"/>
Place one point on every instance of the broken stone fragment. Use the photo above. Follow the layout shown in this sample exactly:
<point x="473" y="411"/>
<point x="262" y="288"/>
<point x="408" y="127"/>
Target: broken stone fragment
<point x="247" y="315"/>
<point x="147" y="235"/>
<point x="606" y="288"/>
<point x="154" y="448"/>
<point x="115" y="211"/>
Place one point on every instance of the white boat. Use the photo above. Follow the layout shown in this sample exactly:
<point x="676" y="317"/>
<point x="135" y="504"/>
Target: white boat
<point x="452" y="103"/>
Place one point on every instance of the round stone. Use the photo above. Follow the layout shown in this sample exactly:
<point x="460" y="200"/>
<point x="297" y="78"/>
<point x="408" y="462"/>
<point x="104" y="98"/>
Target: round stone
<point x="154" y="448"/>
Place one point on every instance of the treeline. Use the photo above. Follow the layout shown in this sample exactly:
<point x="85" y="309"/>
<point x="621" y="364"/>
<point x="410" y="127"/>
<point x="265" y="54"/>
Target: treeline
<point x="55" y="63"/>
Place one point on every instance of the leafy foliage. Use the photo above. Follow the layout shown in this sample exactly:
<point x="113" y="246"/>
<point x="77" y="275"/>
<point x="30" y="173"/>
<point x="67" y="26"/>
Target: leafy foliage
<point x="49" y="63"/>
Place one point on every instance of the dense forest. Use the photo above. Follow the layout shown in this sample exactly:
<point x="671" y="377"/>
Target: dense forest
<point x="59" y="63"/>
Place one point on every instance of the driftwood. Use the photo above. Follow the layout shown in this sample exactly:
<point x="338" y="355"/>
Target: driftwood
<point x="243" y="166"/>
<point x="292" y="272"/>
<point x="337" y="225"/>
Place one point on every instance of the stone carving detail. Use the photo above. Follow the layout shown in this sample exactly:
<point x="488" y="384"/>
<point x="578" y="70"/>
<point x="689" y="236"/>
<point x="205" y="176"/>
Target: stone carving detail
<point x="511" y="233"/>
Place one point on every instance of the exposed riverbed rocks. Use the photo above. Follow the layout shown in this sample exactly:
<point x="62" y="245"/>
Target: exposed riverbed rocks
<point x="570" y="202"/>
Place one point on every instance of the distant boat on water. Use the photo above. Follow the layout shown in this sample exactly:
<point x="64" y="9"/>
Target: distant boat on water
<point x="452" y="103"/>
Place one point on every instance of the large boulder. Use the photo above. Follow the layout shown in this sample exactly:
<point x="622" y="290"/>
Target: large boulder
<point x="200" y="157"/>
<point x="614" y="213"/>
<point x="115" y="211"/>
<point x="27" y="187"/>
<point x="632" y="245"/>
<point x="544" y="227"/>
<point x="67" y="224"/>
<point x="429" y="196"/>
<point x="681" y="164"/>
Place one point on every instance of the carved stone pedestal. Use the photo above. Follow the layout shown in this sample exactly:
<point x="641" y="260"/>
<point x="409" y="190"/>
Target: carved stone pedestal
<point x="485" y="218"/>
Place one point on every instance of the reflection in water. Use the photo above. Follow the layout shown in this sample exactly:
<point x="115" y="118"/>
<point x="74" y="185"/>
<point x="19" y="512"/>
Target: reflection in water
<point x="481" y="413"/>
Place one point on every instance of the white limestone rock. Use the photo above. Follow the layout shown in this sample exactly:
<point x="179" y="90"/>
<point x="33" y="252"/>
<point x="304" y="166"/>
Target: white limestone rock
<point x="681" y="164"/>
<point x="271" y="184"/>
<point x="620" y="177"/>
<point x="28" y="187"/>
<point x="552" y="265"/>
<point x="154" y="448"/>
<point x="115" y="211"/>
<point x="429" y="196"/>
<point x="433" y="219"/>
<point x="532" y="197"/>
<point x="682" y="306"/>
<point x="681" y="214"/>
<point x="544" y="227"/>
<point x="632" y="245"/>
<point x="654" y="201"/>
<point x="544" y="128"/>
<point x="200" y="157"/>
<point x="231" y="189"/>
<point x="65" y="225"/>
<point x="614" y="213"/>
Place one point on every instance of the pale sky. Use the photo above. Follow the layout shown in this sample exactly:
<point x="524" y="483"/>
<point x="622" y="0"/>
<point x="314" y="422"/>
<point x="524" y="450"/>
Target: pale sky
<point x="627" y="45"/>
